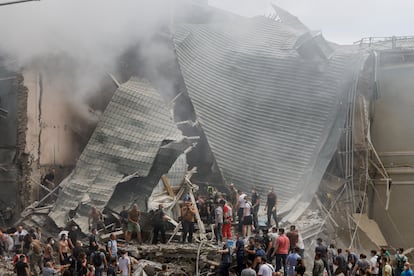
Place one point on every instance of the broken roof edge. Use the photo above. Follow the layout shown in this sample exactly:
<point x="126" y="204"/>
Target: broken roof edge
<point x="89" y="184"/>
<point x="295" y="207"/>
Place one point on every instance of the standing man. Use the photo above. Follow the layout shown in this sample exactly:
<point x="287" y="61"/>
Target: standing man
<point x="228" y="218"/>
<point x="219" y="221"/>
<point x="292" y="261"/>
<point x="407" y="270"/>
<point x="233" y="196"/>
<point x="318" y="266"/>
<point x="98" y="260"/>
<point x="281" y="250"/>
<point x="133" y="224"/>
<point x="400" y="260"/>
<point x="188" y="215"/>
<point x="112" y="247"/>
<point x="255" y="206"/>
<point x="293" y="236"/>
<point x="159" y="224"/>
<point x="271" y="207"/>
<point x="124" y="264"/>
<point x="19" y="237"/>
<point x="323" y="251"/>
<point x="241" y="204"/>
<point x="95" y="219"/>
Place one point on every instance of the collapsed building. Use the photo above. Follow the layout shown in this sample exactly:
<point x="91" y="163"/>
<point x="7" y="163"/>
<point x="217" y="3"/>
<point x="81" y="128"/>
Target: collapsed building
<point x="257" y="101"/>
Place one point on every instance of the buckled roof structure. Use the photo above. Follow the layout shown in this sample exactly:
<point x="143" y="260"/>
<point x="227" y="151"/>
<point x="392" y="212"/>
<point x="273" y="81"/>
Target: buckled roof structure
<point x="134" y="127"/>
<point x="272" y="116"/>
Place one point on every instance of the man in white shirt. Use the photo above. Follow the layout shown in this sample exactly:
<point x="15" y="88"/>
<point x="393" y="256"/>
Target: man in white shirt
<point x="265" y="268"/>
<point x="241" y="204"/>
<point x="124" y="264"/>
<point x="374" y="263"/>
<point x="19" y="236"/>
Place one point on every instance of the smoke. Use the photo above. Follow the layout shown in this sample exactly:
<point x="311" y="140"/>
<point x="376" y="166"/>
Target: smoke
<point x="80" y="38"/>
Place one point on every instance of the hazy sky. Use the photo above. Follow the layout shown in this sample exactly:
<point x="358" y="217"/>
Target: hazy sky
<point x="341" y="21"/>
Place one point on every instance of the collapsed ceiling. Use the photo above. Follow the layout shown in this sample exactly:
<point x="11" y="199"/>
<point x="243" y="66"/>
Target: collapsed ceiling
<point x="270" y="95"/>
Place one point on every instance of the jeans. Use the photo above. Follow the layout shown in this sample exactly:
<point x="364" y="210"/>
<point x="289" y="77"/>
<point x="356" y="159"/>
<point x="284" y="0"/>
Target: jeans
<point x="281" y="261"/>
<point x="219" y="232"/>
<point x="270" y="213"/>
<point x="98" y="271"/>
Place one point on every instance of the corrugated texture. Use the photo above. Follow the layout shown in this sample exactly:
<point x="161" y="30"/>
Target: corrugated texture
<point x="126" y="141"/>
<point x="272" y="118"/>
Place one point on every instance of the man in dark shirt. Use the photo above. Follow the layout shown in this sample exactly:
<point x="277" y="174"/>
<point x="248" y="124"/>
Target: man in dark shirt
<point x="341" y="263"/>
<point x="255" y="206"/>
<point x="21" y="267"/>
<point x="159" y="224"/>
<point x="271" y="207"/>
<point x="323" y="251"/>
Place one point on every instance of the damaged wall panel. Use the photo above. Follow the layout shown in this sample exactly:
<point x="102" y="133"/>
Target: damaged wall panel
<point x="125" y="142"/>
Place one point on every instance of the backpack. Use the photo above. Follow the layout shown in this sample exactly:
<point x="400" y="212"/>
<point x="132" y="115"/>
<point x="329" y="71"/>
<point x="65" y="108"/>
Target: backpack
<point x="400" y="262"/>
<point x="97" y="259"/>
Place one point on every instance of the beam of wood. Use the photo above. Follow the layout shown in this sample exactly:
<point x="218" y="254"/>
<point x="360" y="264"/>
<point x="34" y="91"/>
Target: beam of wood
<point x="167" y="185"/>
<point x="200" y="223"/>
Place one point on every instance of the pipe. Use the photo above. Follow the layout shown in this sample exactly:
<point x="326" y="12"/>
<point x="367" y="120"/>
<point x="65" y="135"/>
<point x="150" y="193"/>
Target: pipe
<point x="16" y="2"/>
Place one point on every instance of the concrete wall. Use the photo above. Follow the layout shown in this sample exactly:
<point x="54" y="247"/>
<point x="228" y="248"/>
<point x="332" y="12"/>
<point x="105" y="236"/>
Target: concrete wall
<point x="392" y="133"/>
<point x="8" y="142"/>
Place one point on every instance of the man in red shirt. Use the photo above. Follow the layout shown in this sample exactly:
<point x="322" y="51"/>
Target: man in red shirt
<point x="227" y="216"/>
<point x="281" y="250"/>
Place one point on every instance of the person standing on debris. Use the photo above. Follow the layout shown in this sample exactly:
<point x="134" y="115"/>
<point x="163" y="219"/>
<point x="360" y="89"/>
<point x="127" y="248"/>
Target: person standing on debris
<point x="270" y="207"/>
<point x="233" y="198"/>
<point x="188" y="217"/>
<point x="73" y="236"/>
<point x="219" y="221"/>
<point x="241" y="204"/>
<point x="134" y="216"/>
<point x="159" y="224"/>
<point x="247" y="217"/>
<point x="273" y="235"/>
<point x="19" y="236"/>
<point x="255" y="207"/>
<point x="227" y="219"/>
<point x="112" y="247"/>
<point x="95" y="219"/>
<point x="281" y="250"/>
<point x="124" y="264"/>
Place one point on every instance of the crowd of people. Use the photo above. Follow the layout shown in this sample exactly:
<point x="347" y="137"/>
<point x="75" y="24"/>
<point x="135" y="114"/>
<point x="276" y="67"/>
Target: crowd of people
<point x="255" y="249"/>
<point x="68" y="256"/>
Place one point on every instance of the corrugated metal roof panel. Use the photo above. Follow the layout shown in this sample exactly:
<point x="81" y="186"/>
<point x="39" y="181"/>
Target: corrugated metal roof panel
<point x="126" y="141"/>
<point x="272" y="118"/>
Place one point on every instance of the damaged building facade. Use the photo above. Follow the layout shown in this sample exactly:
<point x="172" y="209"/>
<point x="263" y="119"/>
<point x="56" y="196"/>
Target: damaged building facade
<point x="257" y="101"/>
